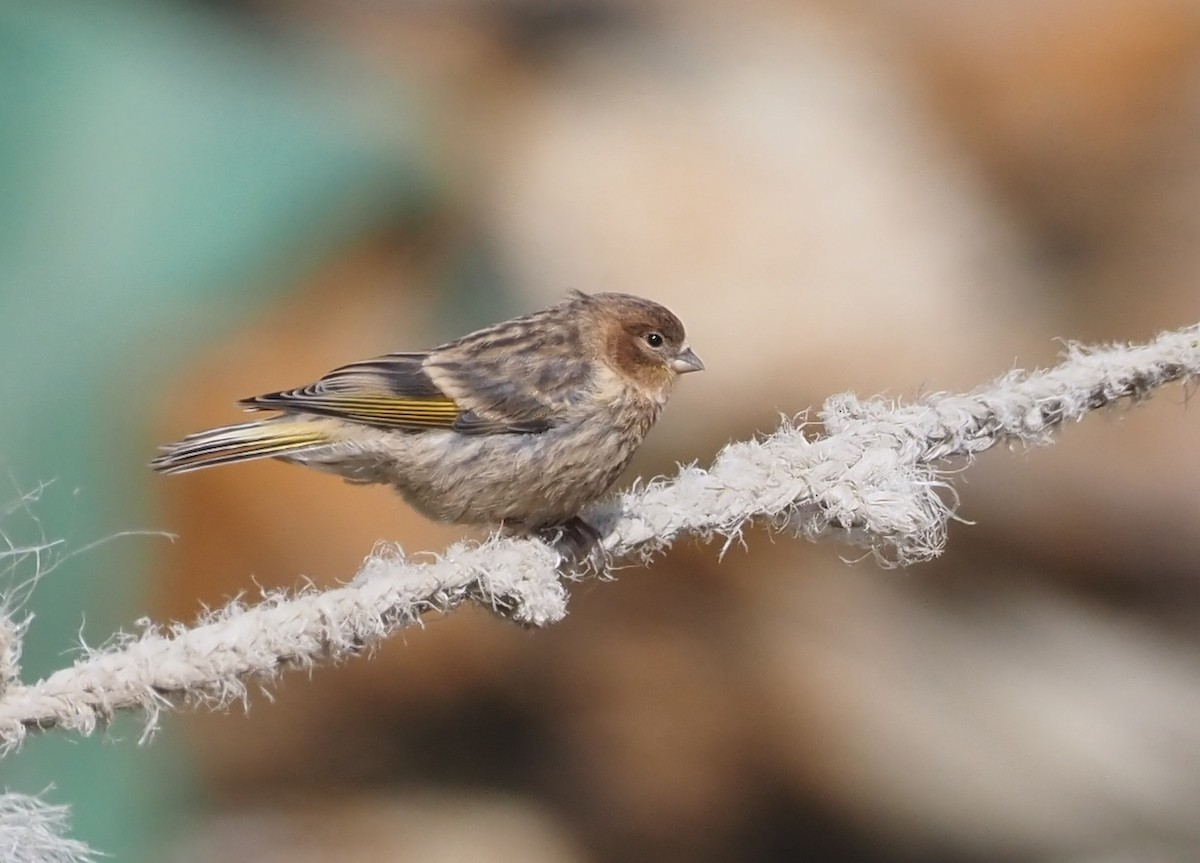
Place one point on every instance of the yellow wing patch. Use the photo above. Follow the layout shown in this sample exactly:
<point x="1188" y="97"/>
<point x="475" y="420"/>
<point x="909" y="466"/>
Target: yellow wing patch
<point x="385" y="410"/>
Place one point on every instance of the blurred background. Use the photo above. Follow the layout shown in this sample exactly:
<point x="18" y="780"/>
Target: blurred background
<point x="206" y="200"/>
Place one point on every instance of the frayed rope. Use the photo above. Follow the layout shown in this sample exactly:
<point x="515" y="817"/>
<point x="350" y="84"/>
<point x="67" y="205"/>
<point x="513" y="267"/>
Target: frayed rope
<point x="33" y="832"/>
<point x="879" y="477"/>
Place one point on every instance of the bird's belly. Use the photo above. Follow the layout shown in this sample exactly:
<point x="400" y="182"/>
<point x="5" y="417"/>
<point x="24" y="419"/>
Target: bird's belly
<point x="528" y="479"/>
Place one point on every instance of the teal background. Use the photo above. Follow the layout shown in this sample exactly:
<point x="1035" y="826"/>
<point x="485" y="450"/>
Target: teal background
<point x="161" y="176"/>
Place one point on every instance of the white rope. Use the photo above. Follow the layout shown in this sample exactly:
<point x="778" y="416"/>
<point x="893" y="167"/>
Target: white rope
<point x="32" y="832"/>
<point x="877" y="477"/>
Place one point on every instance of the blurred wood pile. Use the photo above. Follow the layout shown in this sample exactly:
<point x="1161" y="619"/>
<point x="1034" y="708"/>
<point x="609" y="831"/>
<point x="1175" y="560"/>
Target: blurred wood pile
<point x="877" y="196"/>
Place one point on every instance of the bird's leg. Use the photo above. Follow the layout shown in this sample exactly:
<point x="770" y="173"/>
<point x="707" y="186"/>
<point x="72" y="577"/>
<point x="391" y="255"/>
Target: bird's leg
<point x="576" y="541"/>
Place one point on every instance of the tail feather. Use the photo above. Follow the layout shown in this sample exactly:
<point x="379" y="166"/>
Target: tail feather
<point x="237" y="443"/>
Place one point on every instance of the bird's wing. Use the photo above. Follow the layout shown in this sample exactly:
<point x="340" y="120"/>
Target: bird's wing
<point x="507" y="378"/>
<point x="394" y="391"/>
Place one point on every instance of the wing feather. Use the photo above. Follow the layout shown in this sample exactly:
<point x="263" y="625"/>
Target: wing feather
<point x="521" y="375"/>
<point x="392" y="391"/>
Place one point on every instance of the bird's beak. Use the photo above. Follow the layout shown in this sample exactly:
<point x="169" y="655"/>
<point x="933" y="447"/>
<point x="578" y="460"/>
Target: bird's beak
<point x="687" y="362"/>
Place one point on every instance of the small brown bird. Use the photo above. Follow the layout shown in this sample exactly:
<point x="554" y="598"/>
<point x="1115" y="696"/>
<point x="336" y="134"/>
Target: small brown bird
<point x="521" y="424"/>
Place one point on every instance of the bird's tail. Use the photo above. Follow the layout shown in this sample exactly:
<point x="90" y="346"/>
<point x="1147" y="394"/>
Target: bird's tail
<point x="244" y="442"/>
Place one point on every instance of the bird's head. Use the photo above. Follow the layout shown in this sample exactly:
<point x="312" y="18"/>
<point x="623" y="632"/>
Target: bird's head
<point x="643" y="342"/>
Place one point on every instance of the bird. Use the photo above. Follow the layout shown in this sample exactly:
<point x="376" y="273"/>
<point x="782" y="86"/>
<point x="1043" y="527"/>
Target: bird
<point x="521" y="424"/>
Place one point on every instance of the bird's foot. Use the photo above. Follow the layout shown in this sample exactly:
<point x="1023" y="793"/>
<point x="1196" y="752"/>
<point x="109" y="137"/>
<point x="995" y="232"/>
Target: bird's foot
<point x="576" y="542"/>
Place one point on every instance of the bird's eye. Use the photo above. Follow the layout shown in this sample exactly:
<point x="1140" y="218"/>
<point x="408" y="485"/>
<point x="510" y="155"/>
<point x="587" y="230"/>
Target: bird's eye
<point x="654" y="340"/>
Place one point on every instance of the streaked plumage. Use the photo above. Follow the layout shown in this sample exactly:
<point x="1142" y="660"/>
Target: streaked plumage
<point x="522" y="423"/>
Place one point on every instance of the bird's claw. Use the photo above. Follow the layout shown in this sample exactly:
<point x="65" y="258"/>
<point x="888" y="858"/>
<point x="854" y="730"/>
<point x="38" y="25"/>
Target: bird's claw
<point x="576" y="542"/>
